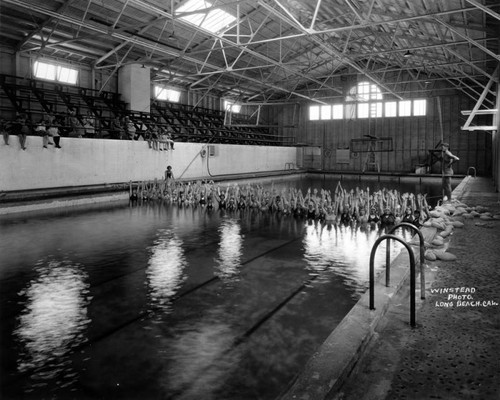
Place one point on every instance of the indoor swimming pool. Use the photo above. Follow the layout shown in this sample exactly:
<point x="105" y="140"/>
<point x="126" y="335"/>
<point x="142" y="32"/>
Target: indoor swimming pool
<point x="158" y="302"/>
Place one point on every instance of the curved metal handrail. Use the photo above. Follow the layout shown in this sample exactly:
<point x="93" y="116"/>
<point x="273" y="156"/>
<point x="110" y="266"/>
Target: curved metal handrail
<point x="468" y="169"/>
<point x="412" y="273"/>
<point x="422" y="254"/>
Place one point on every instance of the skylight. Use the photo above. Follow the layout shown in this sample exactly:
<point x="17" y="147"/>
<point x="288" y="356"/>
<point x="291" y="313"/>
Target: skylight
<point x="212" y="20"/>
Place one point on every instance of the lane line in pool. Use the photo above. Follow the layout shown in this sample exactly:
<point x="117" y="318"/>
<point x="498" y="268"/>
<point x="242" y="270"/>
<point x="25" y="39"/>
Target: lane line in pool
<point x="256" y="326"/>
<point x="242" y="264"/>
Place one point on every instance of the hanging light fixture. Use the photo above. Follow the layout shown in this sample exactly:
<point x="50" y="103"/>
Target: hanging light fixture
<point x="407" y="54"/>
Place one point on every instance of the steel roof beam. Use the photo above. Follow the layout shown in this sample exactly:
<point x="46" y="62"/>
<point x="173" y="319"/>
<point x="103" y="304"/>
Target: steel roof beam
<point x="40" y="29"/>
<point x="245" y="46"/>
<point x="484" y="8"/>
<point x="471" y="41"/>
<point x="331" y="49"/>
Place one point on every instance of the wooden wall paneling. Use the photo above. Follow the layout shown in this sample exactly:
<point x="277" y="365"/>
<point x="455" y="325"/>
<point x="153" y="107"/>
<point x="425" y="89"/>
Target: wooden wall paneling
<point x="404" y="144"/>
<point x="426" y="139"/>
<point x="398" y="144"/>
<point x="386" y="131"/>
<point x="414" y="140"/>
<point x="477" y="158"/>
<point x="449" y="107"/>
<point x="488" y="153"/>
<point x="377" y="129"/>
<point x="470" y="159"/>
<point x="360" y="128"/>
<point x="391" y="131"/>
<point x="337" y="130"/>
<point x="472" y="150"/>
<point x="410" y="131"/>
<point x="480" y="157"/>
<point x="418" y="155"/>
<point x="462" y="139"/>
<point x="344" y="140"/>
<point x="454" y="115"/>
<point x="484" y="152"/>
<point x="462" y="152"/>
<point x="335" y="134"/>
<point x="435" y="127"/>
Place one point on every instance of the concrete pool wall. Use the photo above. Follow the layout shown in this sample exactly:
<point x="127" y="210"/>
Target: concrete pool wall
<point x="86" y="162"/>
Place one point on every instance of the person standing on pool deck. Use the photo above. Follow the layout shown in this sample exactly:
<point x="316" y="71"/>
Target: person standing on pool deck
<point x="169" y="175"/>
<point x="447" y="159"/>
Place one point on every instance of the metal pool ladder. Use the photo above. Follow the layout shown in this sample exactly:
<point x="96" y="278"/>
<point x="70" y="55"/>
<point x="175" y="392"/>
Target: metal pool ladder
<point x="473" y="169"/>
<point x="388" y="237"/>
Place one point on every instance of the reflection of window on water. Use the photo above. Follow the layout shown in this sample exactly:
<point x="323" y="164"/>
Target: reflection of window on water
<point x="54" y="318"/>
<point x="343" y="250"/>
<point x="230" y="249"/>
<point x="165" y="269"/>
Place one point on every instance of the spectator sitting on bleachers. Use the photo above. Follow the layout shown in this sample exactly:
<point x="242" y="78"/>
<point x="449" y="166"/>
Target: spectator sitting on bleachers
<point x="89" y="126"/>
<point x="162" y="139"/>
<point x="76" y="128"/>
<point x="55" y="124"/>
<point x="116" y="129"/>
<point x="129" y="129"/>
<point x="152" y="137"/>
<point x="4" y="129"/>
<point x="170" y="141"/>
<point x="41" y="129"/>
<point x="20" y="128"/>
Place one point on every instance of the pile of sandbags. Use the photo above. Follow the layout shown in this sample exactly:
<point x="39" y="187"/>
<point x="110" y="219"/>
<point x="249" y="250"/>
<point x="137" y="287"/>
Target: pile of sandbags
<point x="445" y="218"/>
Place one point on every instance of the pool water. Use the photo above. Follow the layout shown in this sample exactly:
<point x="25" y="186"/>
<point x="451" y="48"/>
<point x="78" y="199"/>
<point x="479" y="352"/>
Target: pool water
<point x="158" y="302"/>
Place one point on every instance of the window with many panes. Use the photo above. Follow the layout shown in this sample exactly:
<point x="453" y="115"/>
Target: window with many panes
<point x="55" y="72"/>
<point x="232" y="106"/>
<point x="338" y="111"/>
<point x="364" y="91"/>
<point x="167" y="94"/>
<point x="419" y="107"/>
<point x="365" y="101"/>
<point x="405" y="108"/>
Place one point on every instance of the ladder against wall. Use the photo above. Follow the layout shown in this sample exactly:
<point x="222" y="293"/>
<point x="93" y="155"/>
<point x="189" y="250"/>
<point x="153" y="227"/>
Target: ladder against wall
<point x="371" y="145"/>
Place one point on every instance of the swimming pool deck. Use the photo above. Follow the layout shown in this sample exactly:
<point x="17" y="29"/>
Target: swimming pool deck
<point x="452" y="353"/>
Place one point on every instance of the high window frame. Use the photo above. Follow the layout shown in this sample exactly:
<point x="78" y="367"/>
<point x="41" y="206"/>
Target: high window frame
<point x="165" y="93"/>
<point x="365" y="100"/>
<point x="232" y="106"/>
<point x="52" y="71"/>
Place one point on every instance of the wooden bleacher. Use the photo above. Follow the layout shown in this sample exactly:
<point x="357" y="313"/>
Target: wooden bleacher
<point x="186" y="123"/>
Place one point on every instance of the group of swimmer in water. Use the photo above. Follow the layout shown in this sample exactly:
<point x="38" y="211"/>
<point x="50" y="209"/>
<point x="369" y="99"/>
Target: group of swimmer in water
<point x="384" y="207"/>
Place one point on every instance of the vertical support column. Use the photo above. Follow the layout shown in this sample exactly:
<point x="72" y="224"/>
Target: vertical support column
<point x="134" y="85"/>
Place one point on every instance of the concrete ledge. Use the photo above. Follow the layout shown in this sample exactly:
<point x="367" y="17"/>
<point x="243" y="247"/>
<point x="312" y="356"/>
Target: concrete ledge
<point x="460" y="190"/>
<point x="60" y="203"/>
<point x="327" y="369"/>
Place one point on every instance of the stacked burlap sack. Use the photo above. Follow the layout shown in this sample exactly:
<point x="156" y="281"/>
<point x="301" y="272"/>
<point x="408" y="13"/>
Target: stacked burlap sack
<point x="447" y="217"/>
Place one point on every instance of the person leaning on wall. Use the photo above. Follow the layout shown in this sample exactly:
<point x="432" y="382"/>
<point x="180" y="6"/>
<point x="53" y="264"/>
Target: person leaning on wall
<point x="447" y="159"/>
